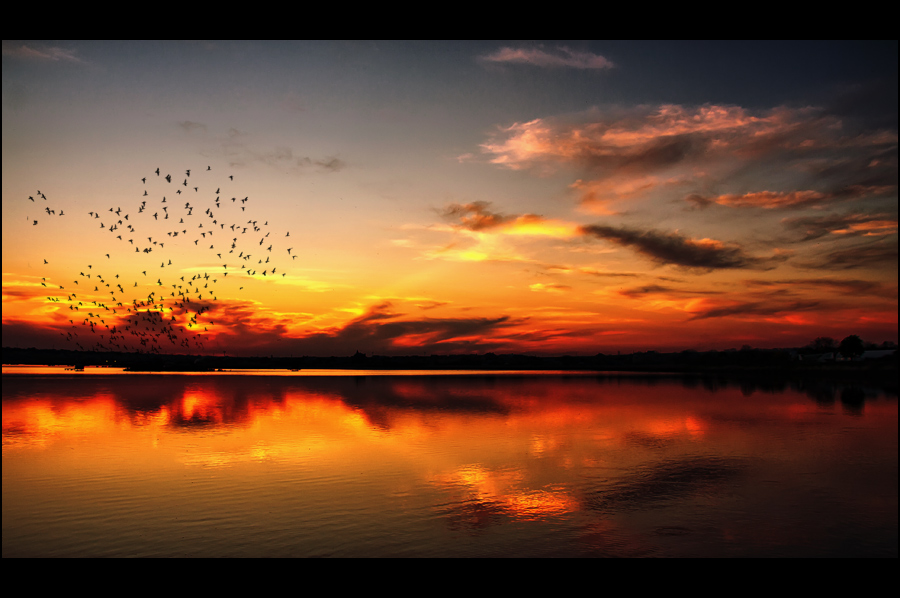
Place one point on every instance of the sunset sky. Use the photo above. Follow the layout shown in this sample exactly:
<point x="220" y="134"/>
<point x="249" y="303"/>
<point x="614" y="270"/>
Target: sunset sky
<point x="513" y="197"/>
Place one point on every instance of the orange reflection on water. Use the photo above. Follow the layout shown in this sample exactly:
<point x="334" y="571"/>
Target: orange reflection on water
<point x="197" y="407"/>
<point x="503" y="491"/>
<point x="41" y="421"/>
<point x="421" y="420"/>
<point x="476" y="452"/>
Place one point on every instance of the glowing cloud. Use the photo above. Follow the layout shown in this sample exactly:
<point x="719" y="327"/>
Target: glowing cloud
<point x="789" y="199"/>
<point x="638" y="141"/>
<point x="563" y="58"/>
<point x="625" y="154"/>
<point x="550" y="288"/>
<point x="476" y="217"/>
<point x="870" y="225"/>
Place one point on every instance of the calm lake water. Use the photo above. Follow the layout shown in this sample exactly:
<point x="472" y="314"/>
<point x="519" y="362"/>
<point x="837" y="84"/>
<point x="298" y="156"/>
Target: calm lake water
<point x="506" y="465"/>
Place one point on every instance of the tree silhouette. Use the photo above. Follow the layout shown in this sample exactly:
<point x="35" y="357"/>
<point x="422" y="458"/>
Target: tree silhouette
<point x="852" y="346"/>
<point x="823" y="344"/>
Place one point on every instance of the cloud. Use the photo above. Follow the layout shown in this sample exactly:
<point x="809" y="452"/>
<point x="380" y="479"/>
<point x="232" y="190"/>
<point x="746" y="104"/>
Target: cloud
<point x="860" y="256"/>
<point x="844" y="286"/>
<point x="650" y="289"/>
<point x="474" y="216"/>
<point x="431" y="304"/>
<point x="672" y="248"/>
<point x="629" y="153"/>
<point x="331" y="164"/>
<point x="655" y="289"/>
<point x="600" y="274"/>
<point x="550" y="288"/>
<point x="846" y="225"/>
<point x="789" y="199"/>
<point x="596" y="195"/>
<point x="874" y="100"/>
<point x="563" y="58"/>
<point x="244" y="330"/>
<point x="639" y="139"/>
<point x="700" y="202"/>
<point x="24" y="334"/>
<point x="483" y="235"/>
<point x="17" y="289"/>
<point x="41" y="53"/>
<point x="191" y="126"/>
<point x="477" y="217"/>
<point x="381" y="329"/>
<point x="760" y="308"/>
<point x="770" y="200"/>
<point x="237" y="150"/>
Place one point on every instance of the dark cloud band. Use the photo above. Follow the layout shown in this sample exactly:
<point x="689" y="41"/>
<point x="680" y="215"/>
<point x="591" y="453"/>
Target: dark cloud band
<point x="672" y="248"/>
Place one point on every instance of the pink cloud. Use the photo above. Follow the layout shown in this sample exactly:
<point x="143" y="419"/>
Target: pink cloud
<point x="630" y="153"/>
<point x="562" y="58"/>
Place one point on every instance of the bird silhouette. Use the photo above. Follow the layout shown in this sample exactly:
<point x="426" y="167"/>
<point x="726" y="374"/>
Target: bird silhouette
<point x="141" y="327"/>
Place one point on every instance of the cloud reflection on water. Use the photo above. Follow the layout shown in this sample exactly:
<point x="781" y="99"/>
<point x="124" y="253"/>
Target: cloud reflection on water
<point x="604" y="456"/>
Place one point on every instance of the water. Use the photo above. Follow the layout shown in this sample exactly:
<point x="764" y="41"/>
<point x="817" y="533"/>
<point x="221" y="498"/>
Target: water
<point x="464" y="465"/>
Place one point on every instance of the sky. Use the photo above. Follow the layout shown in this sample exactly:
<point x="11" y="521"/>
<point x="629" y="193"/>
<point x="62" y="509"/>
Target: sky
<point x="400" y="198"/>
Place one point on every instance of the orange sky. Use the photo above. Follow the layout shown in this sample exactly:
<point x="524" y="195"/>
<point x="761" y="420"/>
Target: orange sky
<point x="442" y="198"/>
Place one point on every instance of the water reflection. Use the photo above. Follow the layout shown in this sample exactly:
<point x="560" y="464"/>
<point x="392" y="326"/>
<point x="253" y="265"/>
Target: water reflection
<point x="669" y="480"/>
<point x="474" y="465"/>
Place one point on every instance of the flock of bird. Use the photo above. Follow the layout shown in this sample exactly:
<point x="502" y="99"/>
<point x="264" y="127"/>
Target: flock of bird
<point x="176" y="312"/>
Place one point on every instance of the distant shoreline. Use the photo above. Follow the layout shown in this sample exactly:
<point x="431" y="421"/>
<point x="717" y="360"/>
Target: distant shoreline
<point x="754" y="362"/>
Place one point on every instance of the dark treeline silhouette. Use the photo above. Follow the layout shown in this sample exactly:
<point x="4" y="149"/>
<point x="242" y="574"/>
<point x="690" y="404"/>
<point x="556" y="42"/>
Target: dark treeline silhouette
<point x="852" y="346"/>
<point x="859" y="361"/>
